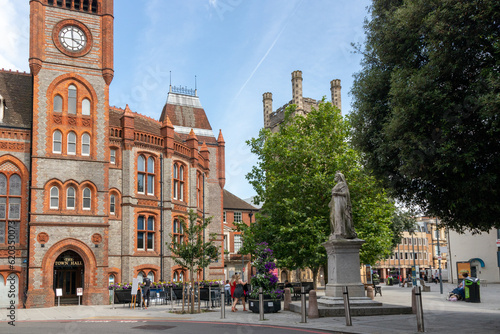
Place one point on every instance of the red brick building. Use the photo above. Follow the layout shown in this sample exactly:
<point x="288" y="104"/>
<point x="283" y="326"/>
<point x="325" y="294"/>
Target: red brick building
<point x="90" y="193"/>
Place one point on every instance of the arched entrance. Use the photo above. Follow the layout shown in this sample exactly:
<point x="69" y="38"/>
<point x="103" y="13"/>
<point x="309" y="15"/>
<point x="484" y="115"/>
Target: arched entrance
<point x="68" y="276"/>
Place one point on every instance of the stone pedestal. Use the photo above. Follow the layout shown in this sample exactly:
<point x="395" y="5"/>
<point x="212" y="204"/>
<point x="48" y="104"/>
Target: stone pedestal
<point x="343" y="267"/>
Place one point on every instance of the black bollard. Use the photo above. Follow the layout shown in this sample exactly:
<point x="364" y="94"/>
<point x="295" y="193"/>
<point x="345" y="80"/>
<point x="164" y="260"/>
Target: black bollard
<point x="222" y="303"/>
<point x="420" y="311"/>
<point x="347" y="307"/>
<point x="303" y="307"/>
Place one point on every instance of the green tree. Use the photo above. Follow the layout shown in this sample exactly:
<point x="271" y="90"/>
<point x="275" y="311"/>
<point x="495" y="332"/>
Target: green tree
<point x="426" y="107"/>
<point x="294" y="177"/>
<point x="193" y="253"/>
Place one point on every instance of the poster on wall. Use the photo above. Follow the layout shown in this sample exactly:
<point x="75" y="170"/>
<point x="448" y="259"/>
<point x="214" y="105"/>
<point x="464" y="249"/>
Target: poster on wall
<point x="462" y="267"/>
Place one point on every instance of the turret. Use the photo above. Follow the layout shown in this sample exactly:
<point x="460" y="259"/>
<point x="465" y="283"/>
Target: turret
<point x="297" y="89"/>
<point x="267" y="100"/>
<point x="335" y="90"/>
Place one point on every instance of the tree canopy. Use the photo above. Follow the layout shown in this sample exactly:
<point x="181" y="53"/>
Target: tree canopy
<point x="426" y="107"/>
<point x="294" y="178"/>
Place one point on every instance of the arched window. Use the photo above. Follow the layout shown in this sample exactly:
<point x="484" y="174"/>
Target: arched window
<point x="87" y="199"/>
<point x="54" y="198"/>
<point x="58" y="103"/>
<point x="181" y="183"/>
<point x="178" y="231"/>
<point x="56" y="142"/>
<point x="112" y="208"/>
<point x="151" y="276"/>
<point x="145" y="232"/>
<point x="86" y="144"/>
<point x="141" y="169"/>
<point x="10" y="207"/>
<point x="71" y="143"/>
<point x="151" y="175"/>
<point x="176" y="276"/>
<point x="199" y="190"/>
<point x="86" y="107"/>
<point x="178" y="182"/>
<point x="70" y="198"/>
<point x="72" y="99"/>
<point x="111" y="279"/>
<point x="112" y="156"/>
<point x="140" y="276"/>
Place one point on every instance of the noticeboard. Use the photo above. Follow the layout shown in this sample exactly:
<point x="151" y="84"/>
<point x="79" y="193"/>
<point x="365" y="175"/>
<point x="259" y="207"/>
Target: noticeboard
<point x="79" y="291"/>
<point x="135" y="285"/>
<point x="58" y="292"/>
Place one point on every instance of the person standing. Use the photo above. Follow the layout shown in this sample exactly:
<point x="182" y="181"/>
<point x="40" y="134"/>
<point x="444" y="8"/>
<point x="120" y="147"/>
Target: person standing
<point x="227" y="292"/>
<point x="146" y="291"/>
<point x="238" y="293"/>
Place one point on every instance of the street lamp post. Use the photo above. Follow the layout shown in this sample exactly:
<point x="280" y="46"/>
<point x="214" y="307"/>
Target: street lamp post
<point x="439" y="260"/>
<point x="414" y="265"/>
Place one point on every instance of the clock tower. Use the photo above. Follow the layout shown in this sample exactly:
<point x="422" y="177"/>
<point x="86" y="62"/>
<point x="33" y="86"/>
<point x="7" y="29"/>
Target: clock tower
<point x="71" y="60"/>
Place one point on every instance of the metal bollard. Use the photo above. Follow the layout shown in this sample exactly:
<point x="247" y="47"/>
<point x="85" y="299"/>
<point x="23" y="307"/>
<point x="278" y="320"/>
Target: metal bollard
<point x="303" y="305"/>
<point x="261" y="304"/>
<point x="223" y="303"/>
<point x="420" y="311"/>
<point x="347" y="306"/>
<point x="171" y="299"/>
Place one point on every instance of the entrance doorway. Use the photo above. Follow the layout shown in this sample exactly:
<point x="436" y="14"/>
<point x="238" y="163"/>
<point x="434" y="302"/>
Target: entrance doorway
<point x="68" y="276"/>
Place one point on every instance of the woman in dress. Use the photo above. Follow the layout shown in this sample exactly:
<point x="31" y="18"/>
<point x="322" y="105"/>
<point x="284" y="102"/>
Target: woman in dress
<point x="238" y="293"/>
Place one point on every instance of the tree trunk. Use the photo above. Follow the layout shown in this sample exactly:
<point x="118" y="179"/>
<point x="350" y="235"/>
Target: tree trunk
<point x="315" y="276"/>
<point x="192" y="291"/>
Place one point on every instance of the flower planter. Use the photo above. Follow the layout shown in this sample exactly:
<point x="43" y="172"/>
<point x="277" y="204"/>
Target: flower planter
<point x="123" y="296"/>
<point x="270" y="305"/>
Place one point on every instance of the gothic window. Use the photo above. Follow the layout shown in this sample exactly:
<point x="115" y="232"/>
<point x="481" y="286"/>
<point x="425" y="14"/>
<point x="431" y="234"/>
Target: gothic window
<point x="70" y="198"/>
<point x="58" y="103"/>
<point x="71" y="143"/>
<point x="54" y="198"/>
<point x="86" y="107"/>
<point x="112" y="156"/>
<point x="151" y="175"/>
<point x="10" y="207"/>
<point x="56" y="142"/>
<point x="86" y="144"/>
<point x="199" y="189"/>
<point x="72" y="99"/>
<point x="178" y="232"/>
<point x="178" y="182"/>
<point x="151" y="276"/>
<point x="112" y="200"/>
<point x="145" y="233"/>
<point x="145" y="175"/>
<point x="87" y="199"/>
<point x="141" y="169"/>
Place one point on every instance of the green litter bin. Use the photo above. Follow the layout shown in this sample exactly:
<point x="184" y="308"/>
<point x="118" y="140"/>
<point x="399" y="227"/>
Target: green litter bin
<point x="471" y="287"/>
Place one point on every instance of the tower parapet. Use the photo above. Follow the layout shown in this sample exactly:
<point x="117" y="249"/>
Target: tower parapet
<point x="297" y="90"/>
<point x="335" y="89"/>
<point x="267" y="100"/>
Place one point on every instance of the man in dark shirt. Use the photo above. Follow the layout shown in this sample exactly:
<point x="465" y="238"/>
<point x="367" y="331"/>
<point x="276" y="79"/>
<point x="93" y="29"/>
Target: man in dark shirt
<point x="145" y="291"/>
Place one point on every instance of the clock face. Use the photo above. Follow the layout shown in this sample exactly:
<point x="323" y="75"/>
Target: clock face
<point x="72" y="38"/>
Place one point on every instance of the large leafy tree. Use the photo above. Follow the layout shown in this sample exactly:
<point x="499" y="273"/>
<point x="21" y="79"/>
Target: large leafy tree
<point x="426" y="106"/>
<point x="294" y="177"/>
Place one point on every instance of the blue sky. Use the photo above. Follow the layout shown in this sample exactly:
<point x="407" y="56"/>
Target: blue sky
<point x="238" y="49"/>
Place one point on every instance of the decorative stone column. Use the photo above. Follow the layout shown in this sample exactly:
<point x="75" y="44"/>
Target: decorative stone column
<point x="343" y="267"/>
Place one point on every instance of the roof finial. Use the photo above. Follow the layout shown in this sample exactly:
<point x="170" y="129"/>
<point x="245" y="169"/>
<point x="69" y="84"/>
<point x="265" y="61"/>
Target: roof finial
<point x="195" y="87"/>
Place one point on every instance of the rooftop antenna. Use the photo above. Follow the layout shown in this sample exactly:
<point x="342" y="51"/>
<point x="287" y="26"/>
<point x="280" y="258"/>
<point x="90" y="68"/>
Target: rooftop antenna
<point x="170" y="88"/>
<point x="195" y="87"/>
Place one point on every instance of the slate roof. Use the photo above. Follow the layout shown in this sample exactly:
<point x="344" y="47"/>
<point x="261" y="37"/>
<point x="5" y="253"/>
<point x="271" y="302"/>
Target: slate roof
<point x="185" y="111"/>
<point x="17" y="90"/>
<point x="233" y="202"/>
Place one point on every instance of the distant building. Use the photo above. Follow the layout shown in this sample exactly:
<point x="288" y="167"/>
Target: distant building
<point x="272" y="119"/>
<point x="419" y="248"/>
<point x="236" y="210"/>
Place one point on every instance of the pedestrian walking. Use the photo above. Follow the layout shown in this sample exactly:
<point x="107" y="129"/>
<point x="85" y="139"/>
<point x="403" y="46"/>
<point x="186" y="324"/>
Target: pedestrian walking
<point x="238" y="293"/>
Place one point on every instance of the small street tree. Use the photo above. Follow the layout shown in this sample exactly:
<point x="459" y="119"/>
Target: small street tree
<point x="192" y="253"/>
